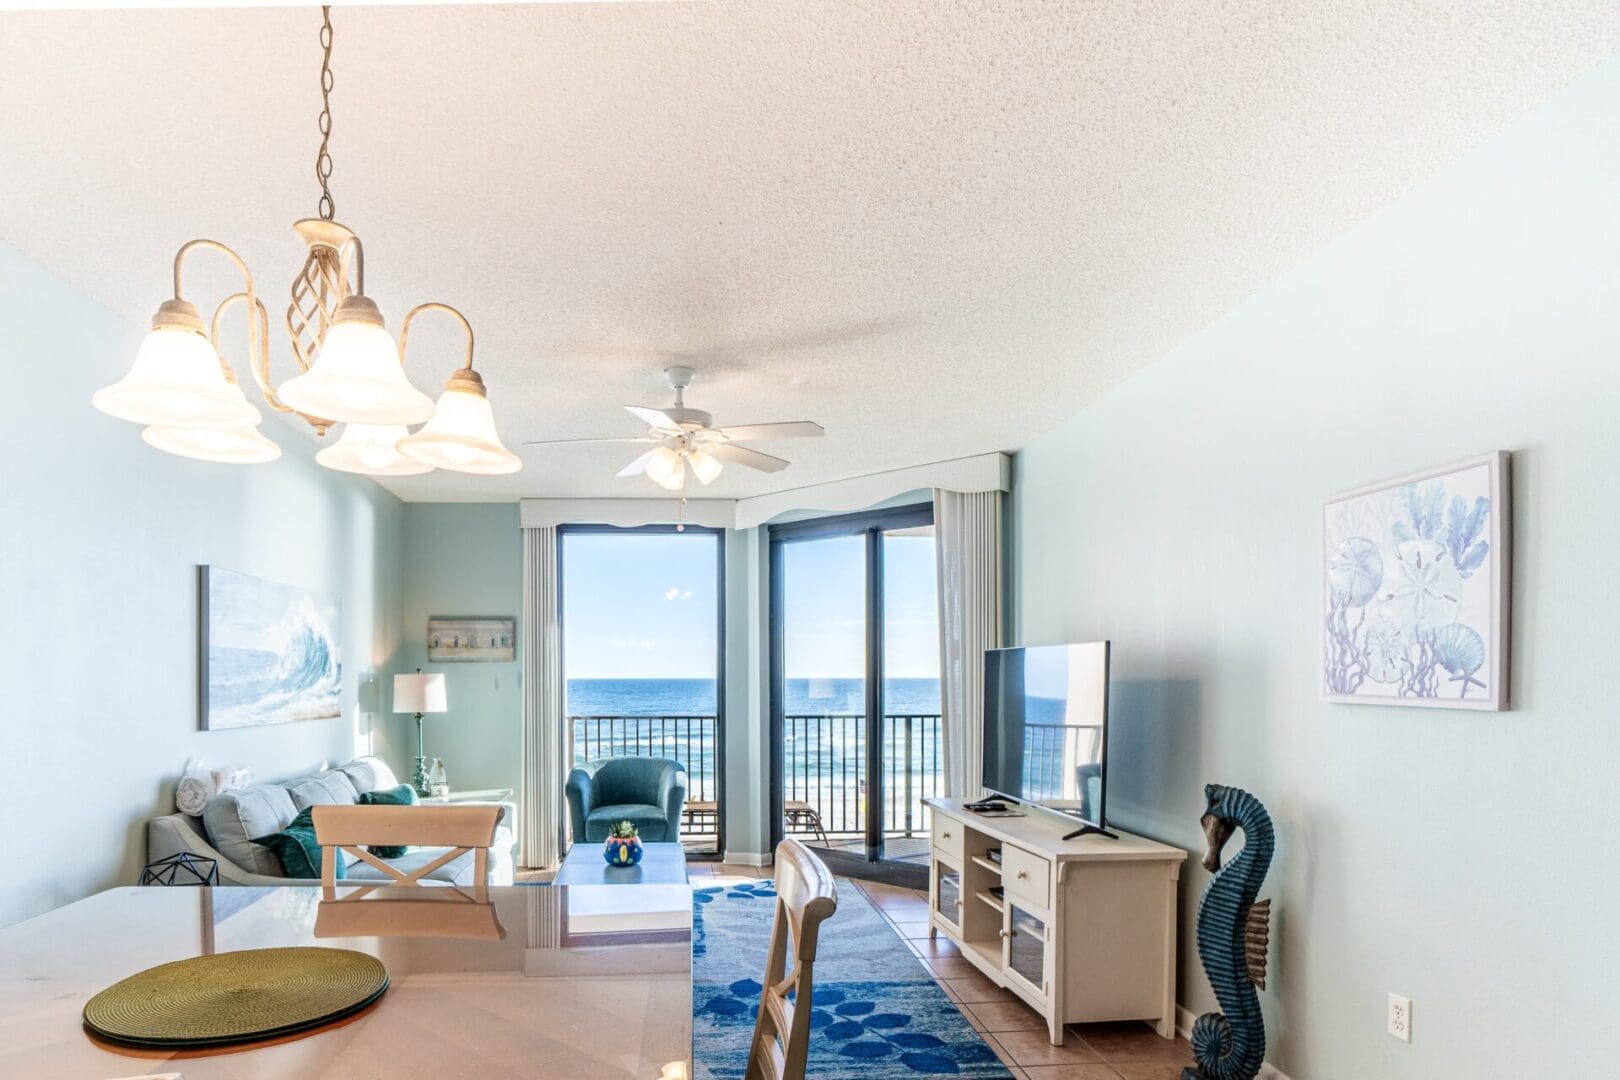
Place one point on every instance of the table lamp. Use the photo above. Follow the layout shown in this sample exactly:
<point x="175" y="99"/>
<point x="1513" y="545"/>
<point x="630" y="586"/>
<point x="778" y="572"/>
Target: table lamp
<point x="419" y="694"/>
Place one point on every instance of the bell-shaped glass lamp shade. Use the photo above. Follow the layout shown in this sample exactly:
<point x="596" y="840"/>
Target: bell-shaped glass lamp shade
<point x="666" y="469"/>
<point x="705" y="466"/>
<point x="357" y="377"/>
<point x="239" y="446"/>
<point x="177" y="382"/>
<point x="462" y="436"/>
<point x="371" y="451"/>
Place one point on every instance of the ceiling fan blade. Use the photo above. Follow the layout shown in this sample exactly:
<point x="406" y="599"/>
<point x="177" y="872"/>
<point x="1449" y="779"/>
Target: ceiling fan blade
<point x="741" y="455"/>
<point x="565" y="442"/>
<point x="638" y="466"/>
<point x="657" y="418"/>
<point x="795" y="429"/>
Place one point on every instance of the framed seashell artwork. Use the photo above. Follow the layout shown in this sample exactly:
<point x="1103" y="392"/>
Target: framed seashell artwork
<point x="1415" y="589"/>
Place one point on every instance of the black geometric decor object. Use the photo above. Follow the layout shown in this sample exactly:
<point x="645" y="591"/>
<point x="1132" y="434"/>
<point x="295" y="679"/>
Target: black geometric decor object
<point x="182" y="869"/>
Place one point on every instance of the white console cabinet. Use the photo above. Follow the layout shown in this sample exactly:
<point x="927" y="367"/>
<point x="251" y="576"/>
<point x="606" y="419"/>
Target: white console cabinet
<point x="1083" y="930"/>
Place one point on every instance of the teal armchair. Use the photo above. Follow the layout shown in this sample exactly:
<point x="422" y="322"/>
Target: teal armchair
<point x="647" y="791"/>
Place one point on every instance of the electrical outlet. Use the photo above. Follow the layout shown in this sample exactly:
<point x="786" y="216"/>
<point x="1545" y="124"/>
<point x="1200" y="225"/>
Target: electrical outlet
<point x="1400" y="1017"/>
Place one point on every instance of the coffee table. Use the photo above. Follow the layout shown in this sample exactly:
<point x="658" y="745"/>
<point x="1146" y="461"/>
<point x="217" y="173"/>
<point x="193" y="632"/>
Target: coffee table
<point x="661" y="864"/>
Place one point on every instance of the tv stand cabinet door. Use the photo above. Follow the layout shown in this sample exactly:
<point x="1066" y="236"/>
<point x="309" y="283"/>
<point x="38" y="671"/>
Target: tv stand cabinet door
<point x="1118" y="919"/>
<point x="945" y="900"/>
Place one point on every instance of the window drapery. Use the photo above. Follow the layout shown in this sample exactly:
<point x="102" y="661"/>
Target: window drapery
<point x="968" y="530"/>
<point x="545" y="743"/>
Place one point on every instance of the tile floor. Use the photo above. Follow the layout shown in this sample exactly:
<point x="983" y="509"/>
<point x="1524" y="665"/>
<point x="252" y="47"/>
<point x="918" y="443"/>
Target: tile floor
<point x="1128" y="1051"/>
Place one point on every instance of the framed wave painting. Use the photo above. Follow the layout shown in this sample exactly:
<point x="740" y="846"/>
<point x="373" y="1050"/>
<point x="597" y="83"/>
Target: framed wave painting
<point x="270" y="652"/>
<point x="1415" y="589"/>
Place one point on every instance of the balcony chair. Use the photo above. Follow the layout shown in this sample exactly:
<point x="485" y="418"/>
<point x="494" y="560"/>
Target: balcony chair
<point x="647" y="791"/>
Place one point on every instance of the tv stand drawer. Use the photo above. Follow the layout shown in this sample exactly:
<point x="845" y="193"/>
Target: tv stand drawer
<point x="1026" y="876"/>
<point x="950" y="839"/>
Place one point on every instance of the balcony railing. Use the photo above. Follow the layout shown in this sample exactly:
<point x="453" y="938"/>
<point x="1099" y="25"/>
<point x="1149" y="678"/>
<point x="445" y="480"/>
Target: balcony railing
<point x="824" y="765"/>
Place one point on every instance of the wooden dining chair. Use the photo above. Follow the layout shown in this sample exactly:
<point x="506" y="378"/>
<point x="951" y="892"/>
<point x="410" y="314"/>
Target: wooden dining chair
<point x="459" y="828"/>
<point x="805" y="898"/>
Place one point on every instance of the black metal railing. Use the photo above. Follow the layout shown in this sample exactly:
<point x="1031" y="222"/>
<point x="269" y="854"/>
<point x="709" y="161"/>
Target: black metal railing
<point x="824" y="764"/>
<point x="689" y="740"/>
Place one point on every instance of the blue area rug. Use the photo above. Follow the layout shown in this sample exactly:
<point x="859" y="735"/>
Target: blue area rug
<point x="877" y="1014"/>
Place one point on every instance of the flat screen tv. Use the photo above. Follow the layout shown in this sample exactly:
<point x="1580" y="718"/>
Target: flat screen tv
<point x="1046" y="728"/>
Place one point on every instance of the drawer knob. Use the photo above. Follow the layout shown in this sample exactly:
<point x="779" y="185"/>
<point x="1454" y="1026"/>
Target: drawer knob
<point x="945" y="836"/>
<point x="1021" y="874"/>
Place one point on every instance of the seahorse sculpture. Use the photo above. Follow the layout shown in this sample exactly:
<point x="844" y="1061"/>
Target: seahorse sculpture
<point x="1233" y="935"/>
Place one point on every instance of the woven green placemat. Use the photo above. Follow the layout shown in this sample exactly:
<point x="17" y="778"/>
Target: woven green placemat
<point x="236" y="996"/>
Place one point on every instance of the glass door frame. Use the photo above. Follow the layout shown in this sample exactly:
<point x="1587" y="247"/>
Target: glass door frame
<point x="871" y="525"/>
<point x="719" y="535"/>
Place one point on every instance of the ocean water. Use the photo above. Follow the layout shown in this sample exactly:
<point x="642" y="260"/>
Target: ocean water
<point x="696" y="697"/>
<point x="824" y="736"/>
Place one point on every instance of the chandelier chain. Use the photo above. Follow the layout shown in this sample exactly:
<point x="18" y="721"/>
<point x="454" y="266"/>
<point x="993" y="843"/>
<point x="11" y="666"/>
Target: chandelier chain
<point x="323" y="158"/>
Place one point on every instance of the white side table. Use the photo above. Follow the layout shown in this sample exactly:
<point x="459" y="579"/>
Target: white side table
<point x="483" y="796"/>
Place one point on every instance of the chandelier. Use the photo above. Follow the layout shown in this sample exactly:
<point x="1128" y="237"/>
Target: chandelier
<point x="186" y="396"/>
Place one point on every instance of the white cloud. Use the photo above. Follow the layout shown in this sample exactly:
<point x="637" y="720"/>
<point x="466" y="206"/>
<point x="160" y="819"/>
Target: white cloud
<point x="671" y="594"/>
<point x="675" y="592"/>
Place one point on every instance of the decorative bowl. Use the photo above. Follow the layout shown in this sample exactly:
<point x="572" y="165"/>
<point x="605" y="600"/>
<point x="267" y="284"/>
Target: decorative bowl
<point x="622" y="850"/>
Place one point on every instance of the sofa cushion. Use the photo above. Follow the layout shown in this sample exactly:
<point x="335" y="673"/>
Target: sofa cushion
<point x="648" y="820"/>
<point x="330" y="788"/>
<point x="369" y="774"/>
<point x="297" y="850"/>
<point x="234" y="819"/>
<point x="401" y="795"/>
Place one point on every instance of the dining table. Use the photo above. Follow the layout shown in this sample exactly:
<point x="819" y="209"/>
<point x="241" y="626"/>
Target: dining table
<point x="580" y="981"/>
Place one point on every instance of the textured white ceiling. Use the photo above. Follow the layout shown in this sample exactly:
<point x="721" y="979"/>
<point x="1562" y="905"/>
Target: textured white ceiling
<point x="938" y="229"/>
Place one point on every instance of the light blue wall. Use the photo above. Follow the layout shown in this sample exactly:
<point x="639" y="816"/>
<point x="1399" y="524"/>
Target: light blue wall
<point x="98" y="555"/>
<point x="462" y="559"/>
<point x="1462" y="859"/>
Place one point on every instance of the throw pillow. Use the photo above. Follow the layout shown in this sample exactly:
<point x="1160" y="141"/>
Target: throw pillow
<point x="295" y="846"/>
<point x="403" y="795"/>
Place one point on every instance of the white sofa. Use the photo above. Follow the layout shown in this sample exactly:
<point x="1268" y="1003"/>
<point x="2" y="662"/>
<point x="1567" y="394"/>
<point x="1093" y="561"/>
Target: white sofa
<point x="232" y="820"/>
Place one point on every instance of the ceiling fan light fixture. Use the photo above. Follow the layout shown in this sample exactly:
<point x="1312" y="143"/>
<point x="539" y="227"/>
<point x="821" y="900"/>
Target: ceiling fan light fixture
<point x="705" y="466"/>
<point x="371" y="450"/>
<point x="461" y="436"/>
<point x="177" y="380"/>
<point x="357" y="377"/>
<point x="666" y="469"/>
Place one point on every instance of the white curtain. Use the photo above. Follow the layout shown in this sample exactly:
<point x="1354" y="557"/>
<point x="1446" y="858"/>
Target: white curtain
<point x="544" y="741"/>
<point x="968" y="527"/>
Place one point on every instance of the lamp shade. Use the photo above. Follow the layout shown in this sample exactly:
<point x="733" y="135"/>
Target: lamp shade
<point x="419" y="693"/>
<point x="176" y="381"/>
<point x="462" y="436"/>
<point x="705" y="466"/>
<point x="357" y="377"/>
<point x="239" y="446"/>
<point x="666" y="469"/>
<point x="372" y="451"/>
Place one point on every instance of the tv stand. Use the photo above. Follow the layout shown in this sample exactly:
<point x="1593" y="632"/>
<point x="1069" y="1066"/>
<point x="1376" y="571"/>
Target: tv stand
<point x="1090" y="830"/>
<point x="1084" y="928"/>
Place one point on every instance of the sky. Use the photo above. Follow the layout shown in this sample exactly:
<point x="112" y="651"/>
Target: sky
<point x="644" y="606"/>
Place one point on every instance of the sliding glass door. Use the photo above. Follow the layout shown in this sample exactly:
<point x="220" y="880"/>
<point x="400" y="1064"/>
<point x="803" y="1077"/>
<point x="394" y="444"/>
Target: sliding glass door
<point x="855" y="667"/>
<point x="642" y="618"/>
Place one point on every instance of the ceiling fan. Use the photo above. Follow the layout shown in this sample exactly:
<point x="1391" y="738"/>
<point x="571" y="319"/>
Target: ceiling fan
<point x="687" y="439"/>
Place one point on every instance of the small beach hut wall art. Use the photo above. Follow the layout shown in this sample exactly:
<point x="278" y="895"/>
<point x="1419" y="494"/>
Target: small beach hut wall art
<point x="490" y="639"/>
